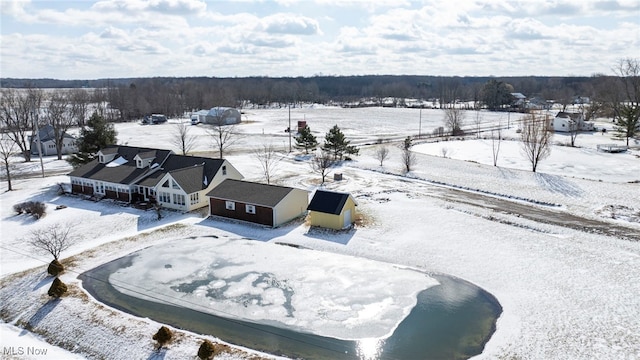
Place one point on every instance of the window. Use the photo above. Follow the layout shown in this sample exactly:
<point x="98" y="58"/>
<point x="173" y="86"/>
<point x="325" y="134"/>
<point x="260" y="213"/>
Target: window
<point x="101" y="159"/>
<point x="178" y="199"/>
<point x="224" y="170"/>
<point x="230" y="205"/>
<point x="250" y="209"/>
<point x="194" y="198"/>
<point x="175" y="185"/>
<point x="164" y="197"/>
<point x="166" y="184"/>
<point x="140" y="190"/>
<point x="138" y="163"/>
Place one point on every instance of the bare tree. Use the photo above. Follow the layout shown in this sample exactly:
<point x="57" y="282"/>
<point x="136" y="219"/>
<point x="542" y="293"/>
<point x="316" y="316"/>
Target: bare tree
<point x="477" y="120"/>
<point x="18" y="113"/>
<point x="535" y="137"/>
<point x="408" y="157"/>
<point x="382" y="153"/>
<point x="224" y="135"/>
<point x="269" y="159"/>
<point x="182" y="139"/>
<point x="453" y="120"/>
<point x="53" y="239"/>
<point x="495" y="144"/>
<point x="8" y="149"/>
<point x="59" y="118"/>
<point x="322" y="163"/>
<point x="79" y="99"/>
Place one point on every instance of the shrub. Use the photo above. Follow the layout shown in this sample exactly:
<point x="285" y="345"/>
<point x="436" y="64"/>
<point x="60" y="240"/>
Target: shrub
<point x="36" y="208"/>
<point x="55" y="268"/>
<point x="163" y="336"/>
<point x="57" y="289"/>
<point x="207" y="350"/>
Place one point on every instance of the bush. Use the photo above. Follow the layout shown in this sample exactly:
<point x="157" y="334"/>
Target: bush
<point x="36" y="208"/>
<point x="57" y="289"/>
<point x="55" y="268"/>
<point x="163" y="336"/>
<point x="207" y="350"/>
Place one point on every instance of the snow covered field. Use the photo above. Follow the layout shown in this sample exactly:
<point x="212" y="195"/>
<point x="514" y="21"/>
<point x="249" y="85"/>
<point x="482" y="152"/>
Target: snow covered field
<point x="565" y="293"/>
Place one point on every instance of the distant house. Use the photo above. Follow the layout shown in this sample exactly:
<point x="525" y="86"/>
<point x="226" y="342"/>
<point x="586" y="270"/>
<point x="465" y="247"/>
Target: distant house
<point x="332" y="210"/>
<point x="263" y="204"/>
<point x="222" y="116"/>
<point x="48" y="142"/>
<point x="135" y="174"/>
<point x="567" y="122"/>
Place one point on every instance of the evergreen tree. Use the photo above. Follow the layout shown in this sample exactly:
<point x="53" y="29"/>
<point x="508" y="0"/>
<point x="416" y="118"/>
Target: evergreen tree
<point x="96" y="135"/>
<point x="163" y="336"/>
<point x="306" y="140"/>
<point x="57" y="289"/>
<point x="336" y="143"/>
<point x="628" y="122"/>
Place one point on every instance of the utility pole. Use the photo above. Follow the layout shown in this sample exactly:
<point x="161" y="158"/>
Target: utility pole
<point x="289" y="129"/>
<point x="38" y="139"/>
<point x="420" y="126"/>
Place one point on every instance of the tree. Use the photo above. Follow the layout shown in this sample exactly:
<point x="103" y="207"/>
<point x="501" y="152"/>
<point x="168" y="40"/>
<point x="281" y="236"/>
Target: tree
<point x="322" y="162"/>
<point x="163" y="336"/>
<point x="495" y="145"/>
<point x="496" y="94"/>
<point x="628" y="124"/>
<point x="336" y="143"/>
<point x="382" y="153"/>
<point x="96" y="135"/>
<point x="535" y="137"/>
<point x="8" y="150"/>
<point x="79" y="100"/>
<point x="53" y="239"/>
<point x="223" y="135"/>
<point x="57" y="289"/>
<point x="207" y="350"/>
<point x="453" y="120"/>
<point x="477" y="121"/>
<point x="306" y="140"/>
<point x="19" y="111"/>
<point x="408" y="157"/>
<point x="269" y="159"/>
<point x="182" y="139"/>
<point x="58" y="117"/>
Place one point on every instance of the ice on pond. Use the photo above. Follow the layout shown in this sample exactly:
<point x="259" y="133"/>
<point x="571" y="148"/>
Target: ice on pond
<point x="327" y="294"/>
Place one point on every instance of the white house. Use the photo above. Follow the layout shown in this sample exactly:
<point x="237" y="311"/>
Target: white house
<point x="134" y="174"/>
<point x="48" y="142"/>
<point x="567" y="122"/>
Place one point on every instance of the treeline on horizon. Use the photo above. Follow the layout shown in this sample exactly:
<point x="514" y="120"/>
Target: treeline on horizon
<point x="175" y="95"/>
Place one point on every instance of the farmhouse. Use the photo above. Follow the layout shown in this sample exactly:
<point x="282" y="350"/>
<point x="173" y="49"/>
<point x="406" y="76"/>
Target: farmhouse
<point x="136" y="174"/>
<point x="48" y="142"/>
<point x="263" y="204"/>
<point x="567" y="122"/>
<point x="332" y="210"/>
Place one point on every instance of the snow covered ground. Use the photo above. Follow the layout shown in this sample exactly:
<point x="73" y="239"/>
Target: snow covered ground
<point x="566" y="294"/>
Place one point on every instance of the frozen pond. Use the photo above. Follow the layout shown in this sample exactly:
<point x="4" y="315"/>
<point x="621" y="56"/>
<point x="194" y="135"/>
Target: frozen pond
<point x="298" y="303"/>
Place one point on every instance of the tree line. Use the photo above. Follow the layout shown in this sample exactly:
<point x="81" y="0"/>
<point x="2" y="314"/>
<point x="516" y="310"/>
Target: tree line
<point x="131" y="98"/>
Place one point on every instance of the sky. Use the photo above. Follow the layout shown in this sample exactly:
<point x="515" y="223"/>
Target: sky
<point x="290" y="38"/>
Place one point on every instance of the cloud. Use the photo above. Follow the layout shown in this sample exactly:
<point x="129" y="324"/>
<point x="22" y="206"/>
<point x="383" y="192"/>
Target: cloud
<point x="289" y="24"/>
<point x="169" y="7"/>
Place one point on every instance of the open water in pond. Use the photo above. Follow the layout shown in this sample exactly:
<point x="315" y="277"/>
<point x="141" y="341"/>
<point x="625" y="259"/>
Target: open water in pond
<point x="453" y="320"/>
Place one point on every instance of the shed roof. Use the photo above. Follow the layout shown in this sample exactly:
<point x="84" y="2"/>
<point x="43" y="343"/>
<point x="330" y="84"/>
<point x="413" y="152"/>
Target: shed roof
<point x="328" y="202"/>
<point x="250" y="192"/>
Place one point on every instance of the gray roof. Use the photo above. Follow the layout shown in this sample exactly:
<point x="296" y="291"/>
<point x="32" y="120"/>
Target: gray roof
<point x="193" y="173"/>
<point x="250" y="192"/>
<point x="328" y="202"/>
<point x="46" y="133"/>
<point x="125" y="173"/>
